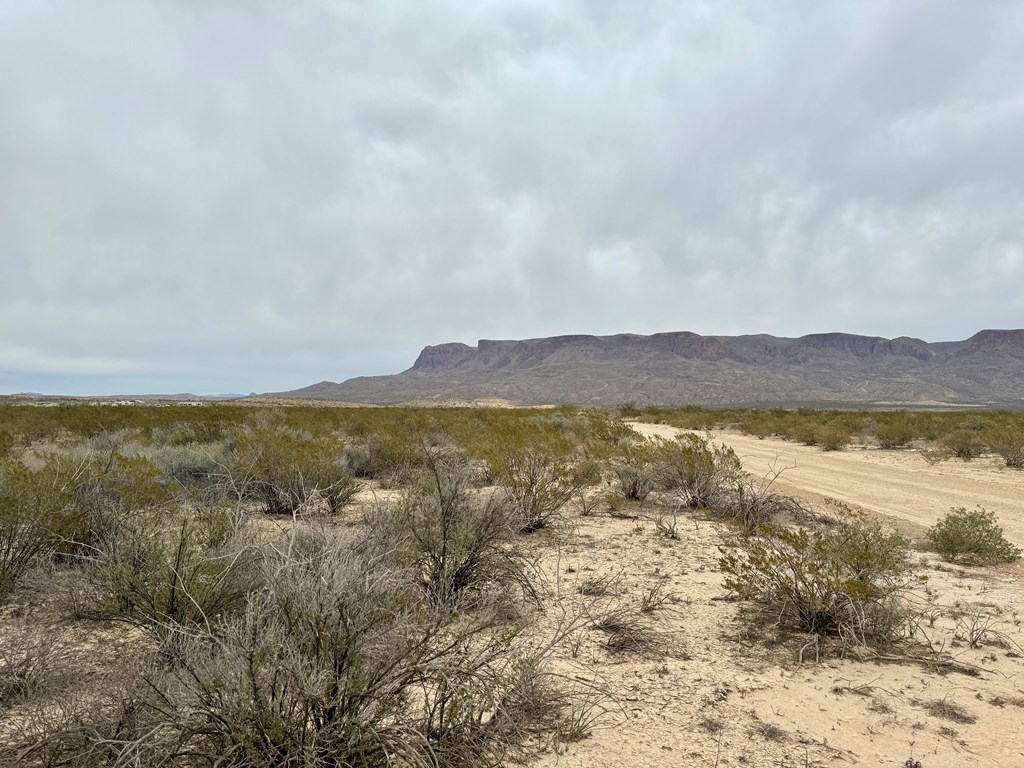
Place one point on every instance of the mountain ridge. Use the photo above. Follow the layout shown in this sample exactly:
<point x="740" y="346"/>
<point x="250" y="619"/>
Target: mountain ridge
<point x="683" y="367"/>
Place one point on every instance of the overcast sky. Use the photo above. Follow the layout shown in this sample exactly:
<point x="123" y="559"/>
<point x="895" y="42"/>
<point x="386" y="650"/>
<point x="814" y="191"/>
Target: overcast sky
<point x="255" y="195"/>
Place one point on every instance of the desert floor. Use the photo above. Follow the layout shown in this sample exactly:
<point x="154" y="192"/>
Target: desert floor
<point x="708" y="689"/>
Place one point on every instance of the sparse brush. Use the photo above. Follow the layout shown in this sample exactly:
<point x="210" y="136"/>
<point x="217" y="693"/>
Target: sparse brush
<point x="655" y="598"/>
<point x="287" y="471"/>
<point x="1007" y="440"/>
<point x="458" y="542"/>
<point x="183" y="570"/>
<point x="972" y="537"/>
<point x="751" y="503"/>
<point x="626" y="632"/>
<point x="965" y="444"/>
<point x="833" y="437"/>
<point x="599" y="586"/>
<point x="949" y="710"/>
<point x="895" y="433"/>
<point x="341" y="662"/>
<point x="693" y="468"/>
<point x="667" y="525"/>
<point x="33" y="661"/>
<point x="585" y="709"/>
<point x="847" y="581"/>
<point x="770" y="731"/>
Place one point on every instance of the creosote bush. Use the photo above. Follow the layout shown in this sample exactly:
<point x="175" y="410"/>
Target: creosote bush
<point x="895" y="433"/>
<point x="971" y="537"/>
<point x="634" y="472"/>
<point x="337" y="661"/>
<point x="752" y="503"/>
<point x="1007" y="440"/>
<point x="285" y="470"/>
<point x="539" y="470"/>
<point x="35" y="517"/>
<point x="162" y="571"/>
<point x="846" y="581"/>
<point x="693" y="468"/>
<point x="833" y="437"/>
<point x="965" y="444"/>
<point x="456" y="541"/>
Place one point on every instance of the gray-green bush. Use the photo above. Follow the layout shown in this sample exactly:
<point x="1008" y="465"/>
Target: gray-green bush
<point x="846" y="581"/>
<point x="971" y="537"/>
<point x="456" y="540"/>
<point x="338" y="662"/>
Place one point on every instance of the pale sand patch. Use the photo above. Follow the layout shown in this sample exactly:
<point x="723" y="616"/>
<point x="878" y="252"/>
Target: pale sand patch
<point x="894" y="483"/>
<point x="711" y="694"/>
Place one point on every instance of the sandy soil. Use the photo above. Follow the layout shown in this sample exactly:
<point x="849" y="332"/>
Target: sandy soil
<point x="708" y="691"/>
<point x="898" y="484"/>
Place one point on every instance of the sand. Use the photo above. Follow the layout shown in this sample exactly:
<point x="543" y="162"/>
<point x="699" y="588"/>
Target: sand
<point x="708" y="692"/>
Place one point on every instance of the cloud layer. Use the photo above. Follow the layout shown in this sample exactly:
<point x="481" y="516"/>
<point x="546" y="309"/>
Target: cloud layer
<point x="254" y="195"/>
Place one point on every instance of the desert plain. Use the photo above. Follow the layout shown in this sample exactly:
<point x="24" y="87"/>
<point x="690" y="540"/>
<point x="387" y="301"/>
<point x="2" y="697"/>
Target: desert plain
<point x="712" y="694"/>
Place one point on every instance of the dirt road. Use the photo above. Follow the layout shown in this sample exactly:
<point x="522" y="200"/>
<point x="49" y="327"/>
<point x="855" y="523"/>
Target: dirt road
<point x="894" y="484"/>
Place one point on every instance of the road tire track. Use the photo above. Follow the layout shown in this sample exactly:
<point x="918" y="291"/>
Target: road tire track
<point x="897" y="484"/>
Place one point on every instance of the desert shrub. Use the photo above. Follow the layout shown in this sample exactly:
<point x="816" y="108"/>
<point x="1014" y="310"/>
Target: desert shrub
<point x="538" y="470"/>
<point x="1007" y="440"/>
<point x="285" y="470"/>
<point x="108" y="490"/>
<point x="634" y="481"/>
<point x="971" y="536"/>
<point x="752" y="503"/>
<point x="833" y="437"/>
<point x="381" y="456"/>
<point x="965" y="444"/>
<point x="36" y="515"/>
<point x="846" y="581"/>
<point x="804" y="431"/>
<point x="756" y="425"/>
<point x="190" y="464"/>
<point x="7" y="443"/>
<point x="457" y="542"/>
<point x="628" y="409"/>
<point x="627" y="631"/>
<point x="340" y="663"/>
<point x="635" y="472"/>
<point x="181" y="570"/>
<point x="896" y="432"/>
<point x="31" y="664"/>
<point x="694" y="468"/>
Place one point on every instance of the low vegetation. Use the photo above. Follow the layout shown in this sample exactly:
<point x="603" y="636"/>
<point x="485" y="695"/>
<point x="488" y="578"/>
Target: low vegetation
<point x="972" y="537"/>
<point x="346" y="586"/>
<point x="846" y="580"/>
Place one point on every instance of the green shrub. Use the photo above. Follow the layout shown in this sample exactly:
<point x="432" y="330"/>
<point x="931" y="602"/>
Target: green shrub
<point x="285" y="470"/>
<point x="158" y="572"/>
<point x="538" y="469"/>
<point x="844" y="582"/>
<point x="457" y="542"/>
<point x="897" y="432"/>
<point x="695" y="469"/>
<point x="965" y="444"/>
<point x="756" y="425"/>
<point x="804" y="431"/>
<point x="337" y="663"/>
<point x="833" y="437"/>
<point x="36" y="516"/>
<point x="971" y="536"/>
<point x="635" y="472"/>
<point x="1007" y="440"/>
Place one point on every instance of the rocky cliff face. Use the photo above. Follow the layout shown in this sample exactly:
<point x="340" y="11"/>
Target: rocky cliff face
<point x="684" y="367"/>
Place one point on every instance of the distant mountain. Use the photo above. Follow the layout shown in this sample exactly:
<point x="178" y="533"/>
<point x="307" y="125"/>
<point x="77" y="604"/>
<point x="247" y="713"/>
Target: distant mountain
<point x="679" y="368"/>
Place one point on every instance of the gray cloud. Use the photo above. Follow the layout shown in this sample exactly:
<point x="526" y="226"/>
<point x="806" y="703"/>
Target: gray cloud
<point x="251" y="195"/>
